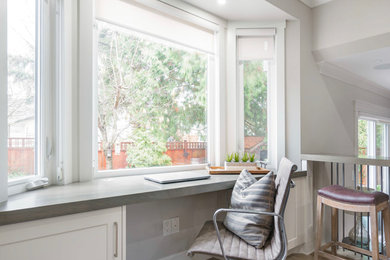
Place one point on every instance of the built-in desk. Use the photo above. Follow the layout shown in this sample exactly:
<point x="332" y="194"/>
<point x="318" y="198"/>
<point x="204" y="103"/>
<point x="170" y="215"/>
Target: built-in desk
<point x="108" y="218"/>
<point x="103" y="193"/>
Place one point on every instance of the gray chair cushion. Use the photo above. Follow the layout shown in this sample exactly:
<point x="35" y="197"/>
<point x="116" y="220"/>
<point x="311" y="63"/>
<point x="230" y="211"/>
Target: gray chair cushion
<point x="235" y="248"/>
<point x="248" y="193"/>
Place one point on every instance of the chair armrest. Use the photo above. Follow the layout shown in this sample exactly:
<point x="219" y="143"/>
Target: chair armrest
<point x="246" y="211"/>
<point x="292" y="184"/>
<point x="263" y="164"/>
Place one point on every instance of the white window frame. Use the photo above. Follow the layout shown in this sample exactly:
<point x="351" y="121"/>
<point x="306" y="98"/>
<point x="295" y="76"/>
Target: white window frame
<point x="66" y="92"/>
<point x="373" y="114"/>
<point x="235" y="95"/>
<point x="368" y="111"/>
<point x="87" y="106"/>
<point x="44" y="106"/>
<point x="3" y="102"/>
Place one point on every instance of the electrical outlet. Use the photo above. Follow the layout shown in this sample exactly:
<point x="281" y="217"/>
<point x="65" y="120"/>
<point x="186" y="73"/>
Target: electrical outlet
<point x="175" y="224"/>
<point x="167" y="227"/>
<point x="171" y="226"/>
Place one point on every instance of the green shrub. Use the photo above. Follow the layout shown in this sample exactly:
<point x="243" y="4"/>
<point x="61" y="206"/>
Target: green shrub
<point x="236" y="157"/>
<point x="245" y="157"/>
<point x="229" y="157"/>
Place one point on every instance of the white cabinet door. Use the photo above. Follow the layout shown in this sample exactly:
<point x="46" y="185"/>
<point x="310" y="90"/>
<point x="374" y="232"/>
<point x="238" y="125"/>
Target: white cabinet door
<point x="95" y="235"/>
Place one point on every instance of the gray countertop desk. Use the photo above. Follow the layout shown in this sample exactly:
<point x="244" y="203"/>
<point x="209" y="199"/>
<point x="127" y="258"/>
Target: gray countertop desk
<point x="103" y="193"/>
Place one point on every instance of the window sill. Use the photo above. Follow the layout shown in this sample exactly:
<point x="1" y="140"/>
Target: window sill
<point x="19" y="185"/>
<point x="104" y="193"/>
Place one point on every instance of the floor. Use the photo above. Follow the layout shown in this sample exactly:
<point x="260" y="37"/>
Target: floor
<point x="346" y="254"/>
<point x="311" y="257"/>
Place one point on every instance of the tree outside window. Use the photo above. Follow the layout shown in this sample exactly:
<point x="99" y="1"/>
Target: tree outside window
<point x="152" y="97"/>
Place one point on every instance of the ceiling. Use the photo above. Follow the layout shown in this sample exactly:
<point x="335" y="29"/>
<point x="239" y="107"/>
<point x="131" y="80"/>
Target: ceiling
<point x="314" y="3"/>
<point x="362" y="64"/>
<point x="242" y="10"/>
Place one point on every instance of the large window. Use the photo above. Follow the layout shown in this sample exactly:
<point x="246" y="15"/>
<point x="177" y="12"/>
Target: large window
<point x="23" y="87"/>
<point x="152" y="91"/>
<point x="256" y="71"/>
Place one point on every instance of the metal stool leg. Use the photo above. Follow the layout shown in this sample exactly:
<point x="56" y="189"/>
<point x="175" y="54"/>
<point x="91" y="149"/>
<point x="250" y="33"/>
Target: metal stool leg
<point x="335" y="227"/>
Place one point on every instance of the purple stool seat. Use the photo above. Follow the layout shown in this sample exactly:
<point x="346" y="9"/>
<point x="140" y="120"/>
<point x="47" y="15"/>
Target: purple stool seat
<point x="345" y="195"/>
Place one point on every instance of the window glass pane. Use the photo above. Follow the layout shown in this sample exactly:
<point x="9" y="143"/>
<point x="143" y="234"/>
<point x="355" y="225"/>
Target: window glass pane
<point x="362" y="135"/>
<point x="21" y="87"/>
<point x="255" y="80"/>
<point x="152" y="98"/>
<point x="380" y="135"/>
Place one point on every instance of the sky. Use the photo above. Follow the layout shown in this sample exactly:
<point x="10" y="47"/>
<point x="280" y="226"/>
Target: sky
<point x="21" y="27"/>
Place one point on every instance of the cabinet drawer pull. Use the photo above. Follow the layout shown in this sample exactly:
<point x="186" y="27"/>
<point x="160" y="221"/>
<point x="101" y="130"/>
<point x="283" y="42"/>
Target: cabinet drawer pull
<point x="116" y="239"/>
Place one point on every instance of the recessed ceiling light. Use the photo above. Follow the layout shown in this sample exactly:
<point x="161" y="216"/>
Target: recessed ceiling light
<point x="384" y="66"/>
<point x="221" y="2"/>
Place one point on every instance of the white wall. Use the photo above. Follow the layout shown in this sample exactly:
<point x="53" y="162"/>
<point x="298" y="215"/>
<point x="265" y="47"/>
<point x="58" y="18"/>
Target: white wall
<point x="332" y="129"/>
<point x="145" y="238"/>
<point x="326" y="104"/>
<point x="343" y="21"/>
<point x="292" y="94"/>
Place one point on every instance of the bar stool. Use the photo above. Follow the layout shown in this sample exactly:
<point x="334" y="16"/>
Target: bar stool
<point x="338" y="197"/>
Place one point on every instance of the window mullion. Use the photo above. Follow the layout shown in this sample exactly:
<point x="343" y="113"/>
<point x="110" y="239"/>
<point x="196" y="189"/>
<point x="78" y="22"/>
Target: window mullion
<point x="371" y="150"/>
<point x="386" y="141"/>
<point x="86" y="94"/>
<point x="3" y="102"/>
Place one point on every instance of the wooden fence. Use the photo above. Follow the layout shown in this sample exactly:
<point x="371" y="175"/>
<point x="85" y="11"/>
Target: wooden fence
<point x="181" y="153"/>
<point x="21" y="154"/>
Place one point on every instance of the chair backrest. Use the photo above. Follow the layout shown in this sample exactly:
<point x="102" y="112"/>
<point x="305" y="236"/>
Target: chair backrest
<point x="282" y="182"/>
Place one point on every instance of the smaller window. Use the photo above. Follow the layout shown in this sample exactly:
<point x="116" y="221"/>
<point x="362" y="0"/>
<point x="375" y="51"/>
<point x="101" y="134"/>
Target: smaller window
<point x="373" y="142"/>
<point x="256" y="71"/>
<point x="23" y="88"/>
<point x="373" y="136"/>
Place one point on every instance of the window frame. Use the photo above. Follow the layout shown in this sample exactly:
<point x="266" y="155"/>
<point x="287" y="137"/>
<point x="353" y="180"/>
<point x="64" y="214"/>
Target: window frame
<point x="3" y="102"/>
<point x="373" y="114"/>
<point x="173" y="168"/>
<point x="87" y="81"/>
<point x="276" y="121"/>
<point x="17" y="185"/>
<point x="270" y="101"/>
<point x="371" y="136"/>
<point x="45" y="107"/>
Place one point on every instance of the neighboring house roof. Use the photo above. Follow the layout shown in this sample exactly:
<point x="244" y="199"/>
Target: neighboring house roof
<point x="252" y="141"/>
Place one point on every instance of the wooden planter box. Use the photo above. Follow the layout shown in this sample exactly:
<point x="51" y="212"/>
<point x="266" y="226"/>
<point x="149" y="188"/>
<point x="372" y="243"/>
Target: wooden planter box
<point x="240" y="165"/>
<point x="220" y="170"/>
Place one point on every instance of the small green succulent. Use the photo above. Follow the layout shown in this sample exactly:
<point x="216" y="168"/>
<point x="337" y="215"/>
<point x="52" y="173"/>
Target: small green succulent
<point x="229" y="157"/>
<point x="252" y="157"/>
<point x="245" y="157"/>
<point x="236" y="157"/>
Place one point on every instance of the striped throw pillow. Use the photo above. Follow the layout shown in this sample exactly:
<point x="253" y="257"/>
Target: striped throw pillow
<point x="248" y="193"/>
